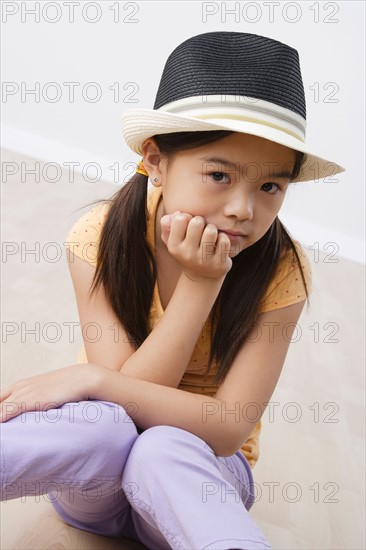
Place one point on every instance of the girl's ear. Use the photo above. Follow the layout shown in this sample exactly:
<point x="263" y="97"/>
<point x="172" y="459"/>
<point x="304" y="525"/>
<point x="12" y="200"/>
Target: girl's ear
<point x="153" y="161"/>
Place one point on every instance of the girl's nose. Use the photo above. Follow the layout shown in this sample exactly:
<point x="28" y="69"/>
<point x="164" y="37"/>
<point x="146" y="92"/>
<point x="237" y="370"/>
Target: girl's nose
<point x="240" y="205"/>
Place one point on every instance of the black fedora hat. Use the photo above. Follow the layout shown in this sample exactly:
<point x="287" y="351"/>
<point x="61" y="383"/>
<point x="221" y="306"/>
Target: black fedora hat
<point x="231" y="81"/>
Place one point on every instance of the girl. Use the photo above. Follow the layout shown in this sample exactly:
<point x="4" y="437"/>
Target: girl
<point x="158" y="423"/>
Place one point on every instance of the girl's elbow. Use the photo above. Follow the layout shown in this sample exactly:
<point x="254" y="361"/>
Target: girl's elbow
<point x="228" y="450"/>
<point x="224" y="450"/>
<point x="231" y="442"/>
<point x="225" y="444"/>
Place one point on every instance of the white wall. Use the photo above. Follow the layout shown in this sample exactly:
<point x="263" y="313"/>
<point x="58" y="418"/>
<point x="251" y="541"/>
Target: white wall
<point x="134" y="50"/>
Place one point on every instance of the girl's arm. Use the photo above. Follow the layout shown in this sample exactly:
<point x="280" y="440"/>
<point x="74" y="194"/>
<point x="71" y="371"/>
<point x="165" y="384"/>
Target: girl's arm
<point x="164" y="355"/>
<point x="226" y="420"/>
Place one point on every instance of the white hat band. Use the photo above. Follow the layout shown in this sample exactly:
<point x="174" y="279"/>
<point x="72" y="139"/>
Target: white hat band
<point x="213" y="107"/>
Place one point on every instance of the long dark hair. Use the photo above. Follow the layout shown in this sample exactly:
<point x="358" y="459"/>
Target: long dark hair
<point x="126" y="265"/>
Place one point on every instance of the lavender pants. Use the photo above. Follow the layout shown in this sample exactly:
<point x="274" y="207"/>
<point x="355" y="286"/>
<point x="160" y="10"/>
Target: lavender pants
<point x="163" y="487"/>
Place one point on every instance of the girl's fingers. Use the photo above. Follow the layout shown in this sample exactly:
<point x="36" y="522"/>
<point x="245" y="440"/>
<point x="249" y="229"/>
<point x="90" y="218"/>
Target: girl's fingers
<point x="224" y="242"/>
<point x="8" y="409"/>
<point x="167" y="218"/>
<point x="195" y="231"/>
<point x="165" y="224"/>
<point x="165" y="229"/>
<point x="178" y="228"/>
<point x="223" y="249"/>
<point x="4" y="394"/>
<point x="210" y="234"/>
<point x="196" y="245"/>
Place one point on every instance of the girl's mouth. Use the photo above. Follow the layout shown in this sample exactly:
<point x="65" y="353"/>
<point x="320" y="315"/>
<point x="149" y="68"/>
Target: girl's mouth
<point x="234" y="238"/>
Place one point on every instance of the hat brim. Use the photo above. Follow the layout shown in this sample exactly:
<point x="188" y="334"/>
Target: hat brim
<point x="140" y="124"/>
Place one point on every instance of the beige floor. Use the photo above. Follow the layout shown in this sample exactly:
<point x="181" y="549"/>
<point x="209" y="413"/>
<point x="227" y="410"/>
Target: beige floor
<point x="310" y="476"/>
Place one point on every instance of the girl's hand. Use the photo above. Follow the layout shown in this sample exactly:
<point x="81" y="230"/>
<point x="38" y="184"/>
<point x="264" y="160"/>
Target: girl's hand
<point x="46" y="391"/>
<point x="197" y="246"/>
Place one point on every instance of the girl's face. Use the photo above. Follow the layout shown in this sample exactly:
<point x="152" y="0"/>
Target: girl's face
<point x="237" y="183"/>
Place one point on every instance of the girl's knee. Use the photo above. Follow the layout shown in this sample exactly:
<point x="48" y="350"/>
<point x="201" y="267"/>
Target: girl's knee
<point x="99" y="426"/>
<point x="162" y="446"/>
<point x="98" y="437"/>
<point x="158" y="439"/>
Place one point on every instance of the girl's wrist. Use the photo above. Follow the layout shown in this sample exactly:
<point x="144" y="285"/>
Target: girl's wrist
<point x="196" y="278"/>
<point x="92" y="376"/>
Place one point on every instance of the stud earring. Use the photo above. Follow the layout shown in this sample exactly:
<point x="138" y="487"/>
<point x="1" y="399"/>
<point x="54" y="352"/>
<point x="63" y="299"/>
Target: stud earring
<point x="155" y="179"/>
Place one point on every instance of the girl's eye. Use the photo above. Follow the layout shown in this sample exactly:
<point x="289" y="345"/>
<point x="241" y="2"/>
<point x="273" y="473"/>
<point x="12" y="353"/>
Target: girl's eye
<point x="278" y="188"/>
<point x="217" y="176"/>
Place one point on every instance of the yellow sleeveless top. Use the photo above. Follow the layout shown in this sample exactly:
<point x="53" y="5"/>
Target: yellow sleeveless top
<point x="285" y="288"/>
